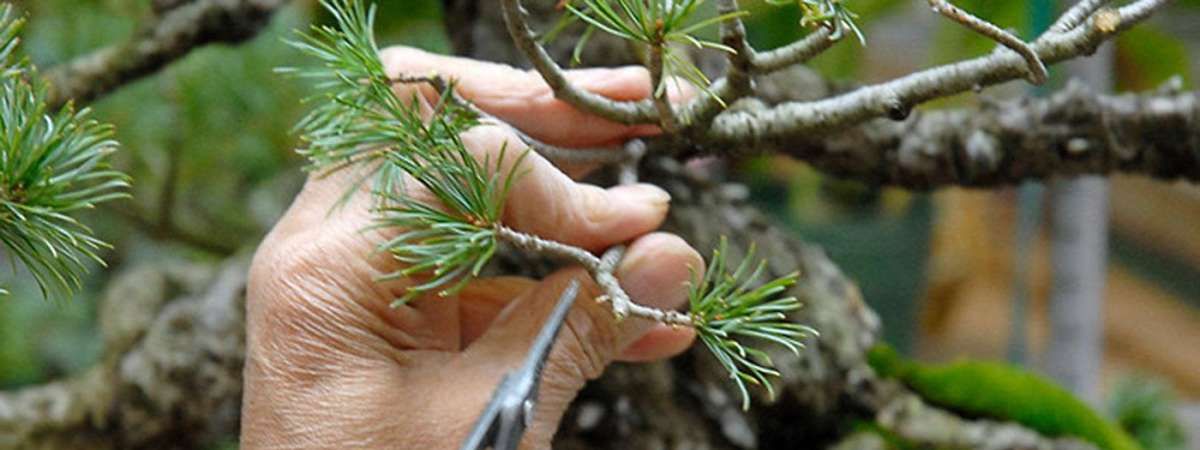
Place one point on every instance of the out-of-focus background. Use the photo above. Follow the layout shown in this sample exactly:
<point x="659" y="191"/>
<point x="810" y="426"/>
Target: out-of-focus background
<point x="208" y="144"/>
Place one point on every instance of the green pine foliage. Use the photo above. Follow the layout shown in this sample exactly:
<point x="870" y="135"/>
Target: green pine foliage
<point x="1000" y="391"/>
<point x="1145" y="408"/>
<point x="358" y="119"/>
<point x="729" y="304"/>
<point x="658" y="23"/>
<point x="451" y="244"/>
<point x="831" y="13"/>
<point x="52" y="164"/>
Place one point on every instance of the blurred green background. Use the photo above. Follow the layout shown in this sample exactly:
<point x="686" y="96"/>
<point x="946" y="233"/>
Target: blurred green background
<point x="208" y="144"/>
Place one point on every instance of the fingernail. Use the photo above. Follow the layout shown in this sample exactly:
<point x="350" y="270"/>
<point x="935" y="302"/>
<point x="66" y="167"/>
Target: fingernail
<point x="642" y="193"/>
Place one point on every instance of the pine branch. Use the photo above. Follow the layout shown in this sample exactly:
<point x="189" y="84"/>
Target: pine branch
<point x="52" y="165"/>
<point x="526" y="40"/>
<point x="726" y="305"/>
<point x="660" y="26"/>
<point x="800" y="120"/>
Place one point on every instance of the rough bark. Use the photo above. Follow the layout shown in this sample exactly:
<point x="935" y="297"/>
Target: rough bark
<point x="1073" y="132"/>
<point x="170" y="375"/>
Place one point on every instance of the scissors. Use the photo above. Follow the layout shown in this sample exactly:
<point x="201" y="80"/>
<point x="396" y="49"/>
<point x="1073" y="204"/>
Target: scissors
<point x="510" y="411"/>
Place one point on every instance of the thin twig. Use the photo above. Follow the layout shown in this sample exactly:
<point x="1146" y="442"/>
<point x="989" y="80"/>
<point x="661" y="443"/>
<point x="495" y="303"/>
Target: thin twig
<point x="633" y="112"/>
<point x="602" y="270"/>
<point x="1037" y="70"/>
<point x="627" y="171"/>
<point x="666" y="114"/>
<point x="733" y="35"/>
<point x="700" y="112"/>
<point x="798" y="52"/>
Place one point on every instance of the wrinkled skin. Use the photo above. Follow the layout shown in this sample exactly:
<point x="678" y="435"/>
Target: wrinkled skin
<point x="331" y="365"/>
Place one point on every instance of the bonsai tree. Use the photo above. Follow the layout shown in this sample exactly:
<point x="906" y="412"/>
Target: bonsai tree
<point x="745" y="309"/>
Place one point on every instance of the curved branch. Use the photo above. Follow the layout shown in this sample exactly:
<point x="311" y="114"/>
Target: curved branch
<point x="1037" y="70"/>
<point x="639" y="112"/>
<point x="172" y="34"/>
<point x="797" y="52"/>
<point x="802" y="120"/>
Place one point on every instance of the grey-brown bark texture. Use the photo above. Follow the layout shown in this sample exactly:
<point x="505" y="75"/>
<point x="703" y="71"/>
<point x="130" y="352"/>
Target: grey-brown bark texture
<point x="170" y="375"/>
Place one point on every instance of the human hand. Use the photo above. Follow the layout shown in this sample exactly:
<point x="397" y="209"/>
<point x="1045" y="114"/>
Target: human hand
<point x="330" y="365"/>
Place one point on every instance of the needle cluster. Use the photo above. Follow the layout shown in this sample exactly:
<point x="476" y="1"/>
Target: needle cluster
<point x="52" y="164"/>
<point x="359" y="119"/>
<point x="730" y="302"/>
<point x="828" y="13"/>
<point x="657" y="24"/>
<point x="450" y="244"/>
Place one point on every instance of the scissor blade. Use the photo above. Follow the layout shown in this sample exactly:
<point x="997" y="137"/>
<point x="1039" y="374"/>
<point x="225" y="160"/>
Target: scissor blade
<point x="507" y="414"/>
<point x="536" y="359"/>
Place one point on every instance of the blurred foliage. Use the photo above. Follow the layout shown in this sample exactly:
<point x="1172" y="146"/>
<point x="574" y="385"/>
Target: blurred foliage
<point x="837" y="213"/>
<point x="769" y="26"/>
<point x="891" y="440"/>
<point x="1149" y="56"/>
<point x="217" y="125"/>
<point x="1145" y="408"/>
<point x="1004" y="392"/>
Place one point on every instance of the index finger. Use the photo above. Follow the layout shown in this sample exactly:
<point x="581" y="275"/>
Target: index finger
<point x="523" y="99"/>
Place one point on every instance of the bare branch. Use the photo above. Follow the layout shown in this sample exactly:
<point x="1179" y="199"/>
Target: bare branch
<point x="798" y="52"/>
<point x="1139" y="11"/>
<point x="169" y="37"/>
<point x="794" y="121"/>
<point x="701" y="111"/>
<point x="741" y="60"/>
<point x="1037" y="70"/>
<point x="639" y="112"/>
<point x="602" y="271"/>
<point x="1074" y="132"/>
<point x="627" y="170"/>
